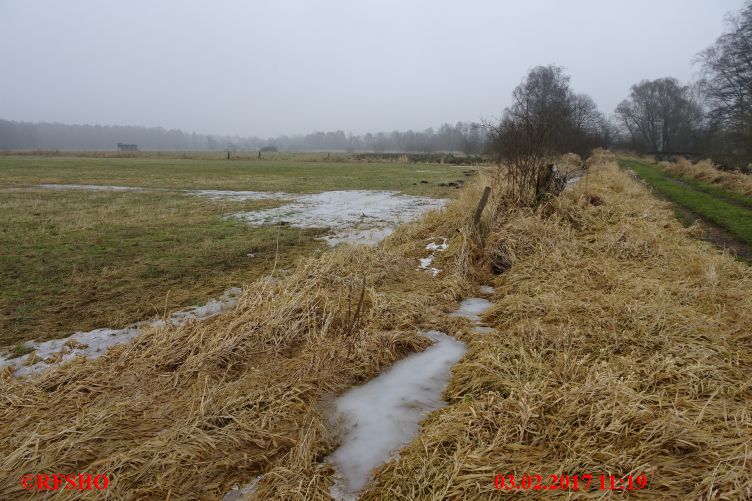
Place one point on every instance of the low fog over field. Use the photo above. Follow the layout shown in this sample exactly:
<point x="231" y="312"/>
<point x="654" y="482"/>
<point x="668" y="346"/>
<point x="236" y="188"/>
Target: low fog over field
<point x="291" y="67"/>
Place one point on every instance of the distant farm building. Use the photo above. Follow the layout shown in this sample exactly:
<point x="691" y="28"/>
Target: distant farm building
<point x="127" y="147"/>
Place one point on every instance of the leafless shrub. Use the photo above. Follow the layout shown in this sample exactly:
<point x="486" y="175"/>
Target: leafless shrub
<point x="545" y="120"/>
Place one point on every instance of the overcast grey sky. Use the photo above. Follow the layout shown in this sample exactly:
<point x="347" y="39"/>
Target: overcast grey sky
<point x="271" y="67"/>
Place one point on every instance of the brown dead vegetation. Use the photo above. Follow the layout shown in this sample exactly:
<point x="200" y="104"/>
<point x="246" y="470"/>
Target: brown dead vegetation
<point x="623" y="345"/>
<point x="706" y="171"/>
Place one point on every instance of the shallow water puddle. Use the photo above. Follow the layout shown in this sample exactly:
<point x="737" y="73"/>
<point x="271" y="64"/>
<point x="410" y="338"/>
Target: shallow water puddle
<point x="385" y="413"/>
<point x="95" y="343"/>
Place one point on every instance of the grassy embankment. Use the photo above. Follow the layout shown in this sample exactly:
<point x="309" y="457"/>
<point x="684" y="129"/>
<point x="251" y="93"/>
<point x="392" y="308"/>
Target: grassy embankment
<point x="727" y="209"/>
<point x="622" y="346"/>
<point x="78" y="260"/>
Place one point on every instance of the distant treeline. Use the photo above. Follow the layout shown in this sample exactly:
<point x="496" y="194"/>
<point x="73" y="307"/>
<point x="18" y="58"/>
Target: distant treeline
<point x="468" y="138"/>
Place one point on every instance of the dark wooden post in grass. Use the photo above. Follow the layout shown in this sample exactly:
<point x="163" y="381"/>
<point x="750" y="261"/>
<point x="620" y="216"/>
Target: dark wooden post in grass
<point x="481" y="205"/>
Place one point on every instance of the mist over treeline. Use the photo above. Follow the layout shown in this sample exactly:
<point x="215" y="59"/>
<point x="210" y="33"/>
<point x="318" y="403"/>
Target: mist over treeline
<point x="465" y="137"/>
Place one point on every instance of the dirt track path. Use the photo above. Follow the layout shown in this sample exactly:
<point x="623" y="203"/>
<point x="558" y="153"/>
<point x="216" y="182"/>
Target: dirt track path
<point x="712" y="232"/>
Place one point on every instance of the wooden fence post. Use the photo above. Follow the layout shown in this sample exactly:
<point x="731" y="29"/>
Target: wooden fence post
<point x="481" y="205"/>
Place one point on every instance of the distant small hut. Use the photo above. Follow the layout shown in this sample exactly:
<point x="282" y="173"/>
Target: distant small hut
<point x="127" y="147"/>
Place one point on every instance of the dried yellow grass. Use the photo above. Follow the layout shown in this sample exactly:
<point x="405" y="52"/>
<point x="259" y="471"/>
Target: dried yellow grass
<point x="706" y="171"/>
<point x="570" y="164"/>
<point x="186" y="412"/>
<point x="623" y="346"/>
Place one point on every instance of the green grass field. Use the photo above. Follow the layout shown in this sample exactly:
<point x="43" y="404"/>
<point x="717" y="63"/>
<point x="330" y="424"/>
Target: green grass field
<point x="77" y="259"/>
<point x="731" y="211"/>
<point x="301" y="176"/>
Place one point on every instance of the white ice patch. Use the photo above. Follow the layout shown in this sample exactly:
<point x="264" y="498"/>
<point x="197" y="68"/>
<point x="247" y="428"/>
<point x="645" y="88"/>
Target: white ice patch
<point x="425" y="262"/>
<point x="356" y="216"/>
<point x="486" y="289"/>
<point x="385" y="413"/>
<point x="433" y="246"/>
<point x="472" y="308"/>
<point x="237" y="492"/>
<point x="95" y="343"/>
<point x="573" y="179"/>
<point x="91" y="187"/>
<point x="241" y="196"/>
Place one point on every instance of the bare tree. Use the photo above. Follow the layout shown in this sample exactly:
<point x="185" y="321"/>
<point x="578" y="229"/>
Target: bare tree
<point x="727" y="87"/>
<point x="545" y="120"/>
<point x="661" y="115"/>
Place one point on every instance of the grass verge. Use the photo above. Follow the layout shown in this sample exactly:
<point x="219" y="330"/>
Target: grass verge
<point x="715" y="204"/>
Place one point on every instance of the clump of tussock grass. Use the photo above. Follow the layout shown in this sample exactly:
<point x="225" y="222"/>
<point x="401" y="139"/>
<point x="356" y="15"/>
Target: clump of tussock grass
<point x="187" y="411"/>
<point x="622" y="346"/>
<point x="570" y="164"/>
<point x="707" y="172"/>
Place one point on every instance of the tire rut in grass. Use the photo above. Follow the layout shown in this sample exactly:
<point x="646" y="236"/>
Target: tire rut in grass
<point x="725" y="199"/>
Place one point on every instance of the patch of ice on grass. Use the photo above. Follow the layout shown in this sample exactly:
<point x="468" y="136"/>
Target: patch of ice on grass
<point x="425" y="262"/>
<point x="241" y="196"/>
<point x="573" y="180"/>
<point x="92" y="187"/>
<point x="472" y="308"/>
<point x="384" y="414"/>
<point x="486" y="289"/>
<point x="237" y="492"/>
<point x="433" y="246"/>
<point x="368" y="237"/>
<point x="355" y="216"/>
<point x="95" y="343"/>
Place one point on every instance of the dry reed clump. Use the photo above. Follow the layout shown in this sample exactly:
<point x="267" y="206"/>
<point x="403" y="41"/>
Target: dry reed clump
<point x="599" y="156"/>
<point x="623" y="346"/>
<point x="186" y="412"/>
<point x="570" y="164"/>
<point x="706" y="171"/>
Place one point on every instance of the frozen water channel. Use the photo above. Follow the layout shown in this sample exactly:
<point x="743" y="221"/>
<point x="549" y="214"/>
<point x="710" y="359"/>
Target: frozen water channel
<point x="384" y="414"/>
<point x="95" y="343"/>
